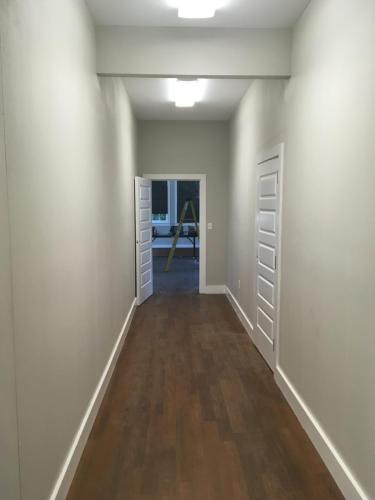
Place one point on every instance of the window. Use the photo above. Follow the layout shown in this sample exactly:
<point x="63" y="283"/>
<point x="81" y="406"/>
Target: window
<point x="168" y="200"/>
<point x="160" y="202"/>
<point x="159" y="217"/>
<point x="188" y="190"/>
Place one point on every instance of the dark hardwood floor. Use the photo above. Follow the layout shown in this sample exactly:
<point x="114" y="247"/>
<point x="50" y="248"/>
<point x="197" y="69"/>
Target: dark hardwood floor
<point x="183" y="276"/>
<point x="193" y="413"/>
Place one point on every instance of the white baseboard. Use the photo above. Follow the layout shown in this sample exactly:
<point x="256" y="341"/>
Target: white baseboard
<point x="342" y="474"/>
<point x="247" y="324"/>
<point x="213" y="289"/>
<point x="71" y="462"/>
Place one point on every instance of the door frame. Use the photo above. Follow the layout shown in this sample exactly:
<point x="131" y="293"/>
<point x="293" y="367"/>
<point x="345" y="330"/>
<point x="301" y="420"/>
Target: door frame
<point x="277" y="151"/>
<point x="202" y="178"/>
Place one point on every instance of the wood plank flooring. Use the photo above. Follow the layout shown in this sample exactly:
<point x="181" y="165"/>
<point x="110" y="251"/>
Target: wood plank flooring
<point x="183" y="276"/>
<point x="193" y="413"/>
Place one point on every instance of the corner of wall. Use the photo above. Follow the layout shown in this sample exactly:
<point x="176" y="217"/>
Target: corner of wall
<point x="9" y="439"/>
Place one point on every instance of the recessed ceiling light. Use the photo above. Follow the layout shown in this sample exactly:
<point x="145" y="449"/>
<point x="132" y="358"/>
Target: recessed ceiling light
<point x="197" y="9"/>
<point x="185" y="93"/>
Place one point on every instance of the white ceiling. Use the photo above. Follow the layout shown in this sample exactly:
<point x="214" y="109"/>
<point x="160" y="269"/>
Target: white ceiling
<point x="232" y="14"/>
<point x="150" y="99"/>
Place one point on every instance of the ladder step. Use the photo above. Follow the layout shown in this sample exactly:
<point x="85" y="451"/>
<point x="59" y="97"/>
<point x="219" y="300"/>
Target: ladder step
<point x="178" y="232"/>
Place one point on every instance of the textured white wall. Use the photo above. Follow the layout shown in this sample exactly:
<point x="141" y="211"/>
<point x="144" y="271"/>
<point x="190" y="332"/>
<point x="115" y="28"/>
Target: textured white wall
<point x="193" y="148"/>
<point x="9" y="471"/>
<point x="327" y="296"/>
<point x="71" y="165"/>
<point x="193" y="51"/>
<point x="259" y="122"/>
<point x="327" y="118"/>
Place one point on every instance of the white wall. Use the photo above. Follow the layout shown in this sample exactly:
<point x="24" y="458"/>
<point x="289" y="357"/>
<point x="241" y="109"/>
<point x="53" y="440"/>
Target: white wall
<point x="259" y="122"/>
<point x="9" y="476"/>
<point x="119" y="168"/>
<point x="71" y="163"/>
<point x="193" y="51"/>
<point x="327" y="343"/>
<point x="193" y="148"/>
<point x="327" y="327"/>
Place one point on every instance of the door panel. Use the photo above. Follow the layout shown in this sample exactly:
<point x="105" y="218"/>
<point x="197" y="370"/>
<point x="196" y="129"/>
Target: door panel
<point x="265" y="271"/>
<point x="145" y="237"/>
<point x="268" y="184"/>
<point x="266" y="306"/>
<point x="267" y="239"/>
<point x="267" y="221"/>
<point x="267" y="203"/>
<point x="266" y="290"/>
<point x="267" y="244"/>
<point x="146" y="257"/>
<point x="143" y="210"/>
<point x="144" y="193"/>
<point x="265" y="323"/>
<point x="145" y="214"/>
<point x="266" y="256"/>
<point x="145" y="278"/>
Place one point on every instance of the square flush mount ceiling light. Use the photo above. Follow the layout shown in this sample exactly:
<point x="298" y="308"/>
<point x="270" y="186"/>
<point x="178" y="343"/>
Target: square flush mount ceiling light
<point x="197" y="9"/>
<point x="185" y="93"/>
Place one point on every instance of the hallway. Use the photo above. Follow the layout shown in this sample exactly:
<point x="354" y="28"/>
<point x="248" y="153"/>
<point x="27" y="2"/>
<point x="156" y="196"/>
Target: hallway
<point x="193" y="412"/>
<point x="247" y="370"/>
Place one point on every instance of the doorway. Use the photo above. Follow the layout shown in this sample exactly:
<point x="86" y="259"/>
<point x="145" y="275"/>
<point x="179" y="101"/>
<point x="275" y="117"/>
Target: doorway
<point x="176" y="234"/>
<point x="187" y="270"/>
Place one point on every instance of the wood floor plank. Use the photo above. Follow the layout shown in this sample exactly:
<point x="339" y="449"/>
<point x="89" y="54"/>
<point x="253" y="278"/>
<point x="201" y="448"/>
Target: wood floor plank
<point x="193" y="413"/>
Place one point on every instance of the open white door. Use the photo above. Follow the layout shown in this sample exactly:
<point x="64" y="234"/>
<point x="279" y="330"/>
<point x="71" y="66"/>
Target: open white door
<point x="268" y="252"/>
<point x="143" y="235"/>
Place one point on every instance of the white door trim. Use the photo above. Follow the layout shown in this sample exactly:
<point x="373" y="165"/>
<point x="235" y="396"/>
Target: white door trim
<point x="264" y="156"/>
<point x="202" y="178"/>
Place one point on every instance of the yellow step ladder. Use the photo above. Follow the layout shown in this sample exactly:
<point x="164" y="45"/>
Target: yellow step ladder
<point x="179" y="228"/>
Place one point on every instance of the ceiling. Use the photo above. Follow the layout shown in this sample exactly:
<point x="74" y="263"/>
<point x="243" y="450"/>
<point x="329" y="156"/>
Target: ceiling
<point x="150" y="99"/>
<point x="232" y="14"/>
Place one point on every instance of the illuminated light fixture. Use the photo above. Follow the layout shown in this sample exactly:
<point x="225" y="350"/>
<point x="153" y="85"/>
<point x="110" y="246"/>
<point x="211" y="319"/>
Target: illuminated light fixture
<point x="185" y="93"/>
<point x="197" y="9"/>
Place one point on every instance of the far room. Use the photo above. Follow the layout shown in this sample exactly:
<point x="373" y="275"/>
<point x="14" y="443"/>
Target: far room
<point x="175" y="235"/>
